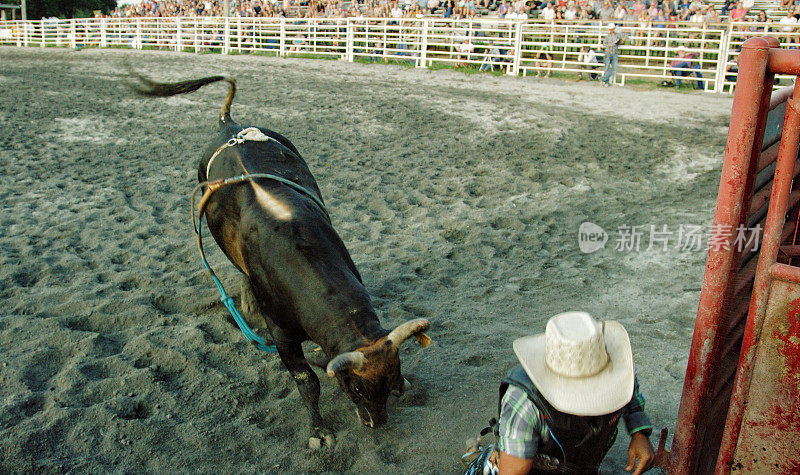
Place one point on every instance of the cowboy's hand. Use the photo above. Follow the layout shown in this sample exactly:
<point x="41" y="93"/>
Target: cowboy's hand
<point x="641" y="449"/>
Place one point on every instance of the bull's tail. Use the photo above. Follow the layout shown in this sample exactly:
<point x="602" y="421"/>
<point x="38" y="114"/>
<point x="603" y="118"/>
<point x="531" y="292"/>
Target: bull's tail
<point x="147" y="87"/>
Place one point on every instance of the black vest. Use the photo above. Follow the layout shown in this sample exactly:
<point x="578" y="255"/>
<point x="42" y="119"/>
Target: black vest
<point x="585" y="440"/>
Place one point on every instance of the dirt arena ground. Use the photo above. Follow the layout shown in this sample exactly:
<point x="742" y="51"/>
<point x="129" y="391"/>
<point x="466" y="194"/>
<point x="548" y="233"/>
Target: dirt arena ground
<point x="459" y="197"/>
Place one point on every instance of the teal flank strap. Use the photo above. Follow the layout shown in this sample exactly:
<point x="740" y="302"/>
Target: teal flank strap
<point x="251" y="336"/>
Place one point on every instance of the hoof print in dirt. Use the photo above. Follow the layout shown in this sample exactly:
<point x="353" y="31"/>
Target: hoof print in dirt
<point x="316" y="443"/>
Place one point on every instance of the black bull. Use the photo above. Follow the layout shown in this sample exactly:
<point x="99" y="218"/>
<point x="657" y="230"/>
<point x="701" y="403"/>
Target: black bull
<point x="300" y="281"/>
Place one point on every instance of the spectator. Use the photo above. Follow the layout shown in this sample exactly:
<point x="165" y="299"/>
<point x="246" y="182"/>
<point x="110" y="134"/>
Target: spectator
<point x="449" y="7"/>
<point x="548" y="13"/>
<point x="660" y="20"/>
<point x="738" y="13"/>
<point x="493" y="58"/>
<point x="638" y="8"/>
<point x="396" y="11"/>
<point x="585" y="14"/>
<point x="606" y="12"/>
<point x="620" y="13"/>
<point x="696" y="17"/>
<point x="683" y="65"/>
<point x="297" y="44"/>
<point x="543" y="59"/>
<point x="589" y="61"/>
<point x="642" y="22"/>
<point x="712" y="15"/>
<point x="788" y="24"/>
<point x="611" y="49"/>
<point x="727" y="7"/>
<point x="464" y="51"/>
<point x="502" y="10"/>
<point x="763" y="23"/>
<point x="590" y="12"/>
<point x="653" y="10"/>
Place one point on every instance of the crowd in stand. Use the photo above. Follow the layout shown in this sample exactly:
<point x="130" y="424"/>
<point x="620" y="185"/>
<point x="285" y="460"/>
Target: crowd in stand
<point x="642" y="12"/>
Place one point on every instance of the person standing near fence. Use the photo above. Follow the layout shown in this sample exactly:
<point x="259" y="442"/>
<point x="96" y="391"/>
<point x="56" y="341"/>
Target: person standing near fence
<point x="611" y="49"/>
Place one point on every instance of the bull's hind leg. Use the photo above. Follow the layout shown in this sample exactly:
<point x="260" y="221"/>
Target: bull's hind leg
<point x="250" y="309"/>
<point x="291" y="353"/>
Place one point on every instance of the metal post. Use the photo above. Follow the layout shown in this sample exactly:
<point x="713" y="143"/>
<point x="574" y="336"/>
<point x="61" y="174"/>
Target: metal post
<point x="24" y="11"/>
<point x="282" y="46"/>
<point x="195" y="36"/>
<point x="564" y="55"/>
<point x="138" y="43"/>
<point x="103" y="40"/>
<point x="722" y="62"/>
<point x="226" y="43"/>
<point x="178" y="34"/>
<point x="349" y="47"/>
<point x="514" y="69"/>
<point x="73" y="34"/>
<point x="423" y="52"/>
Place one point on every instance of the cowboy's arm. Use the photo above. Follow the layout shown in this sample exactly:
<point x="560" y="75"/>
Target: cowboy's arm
<point x="510" y="465"/>
<point x="633" y="414"/>
<point x="519" y="432"/>
<point x="639" y="427"/>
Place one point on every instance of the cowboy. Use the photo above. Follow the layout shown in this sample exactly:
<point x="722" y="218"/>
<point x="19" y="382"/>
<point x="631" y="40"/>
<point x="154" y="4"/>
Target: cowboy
<point x="611" y="48"/>
<point x="559" y="409"/>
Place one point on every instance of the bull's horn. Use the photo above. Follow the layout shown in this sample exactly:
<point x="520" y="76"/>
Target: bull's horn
<point x="411" y="328"/>
<point x="351" y="360"/>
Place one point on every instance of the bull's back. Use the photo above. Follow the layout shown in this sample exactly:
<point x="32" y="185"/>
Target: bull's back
<point x="301" y="270"/>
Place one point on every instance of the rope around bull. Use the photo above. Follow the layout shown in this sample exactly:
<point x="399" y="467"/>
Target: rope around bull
<point x="253" y="134"/>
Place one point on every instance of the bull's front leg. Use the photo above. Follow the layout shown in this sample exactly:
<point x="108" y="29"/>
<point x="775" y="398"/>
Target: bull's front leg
<point x="291" y="353"/>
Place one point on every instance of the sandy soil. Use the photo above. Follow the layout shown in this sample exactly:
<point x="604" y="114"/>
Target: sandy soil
<point x="459" y="197"/>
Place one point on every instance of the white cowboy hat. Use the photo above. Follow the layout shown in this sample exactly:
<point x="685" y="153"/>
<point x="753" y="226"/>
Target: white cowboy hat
<point x="611" y="26"/>
<point x="581" y="366"/>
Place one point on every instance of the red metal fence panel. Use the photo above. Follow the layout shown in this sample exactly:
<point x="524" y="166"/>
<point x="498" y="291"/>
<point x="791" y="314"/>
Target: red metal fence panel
<point x="745" y="349"/>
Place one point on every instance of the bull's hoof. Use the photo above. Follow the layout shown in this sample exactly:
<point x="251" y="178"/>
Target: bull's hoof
<point x="320" y="438"/>
<point x="317" y="442"/>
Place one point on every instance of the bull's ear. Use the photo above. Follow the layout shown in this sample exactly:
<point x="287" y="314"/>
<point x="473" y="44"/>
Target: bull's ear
<point x="353" y="360"/>
<point x="407" y="330"/>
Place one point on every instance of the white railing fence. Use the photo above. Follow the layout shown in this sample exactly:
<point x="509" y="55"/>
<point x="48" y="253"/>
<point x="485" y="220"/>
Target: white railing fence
<point x="515" y="47"/>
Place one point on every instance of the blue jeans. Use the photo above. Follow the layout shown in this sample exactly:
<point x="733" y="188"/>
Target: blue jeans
<point x="610" y="63"/>
<point x="680" y="74"/>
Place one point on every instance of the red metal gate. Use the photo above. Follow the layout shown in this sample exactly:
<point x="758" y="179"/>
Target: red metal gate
<point x="740" y="408"/>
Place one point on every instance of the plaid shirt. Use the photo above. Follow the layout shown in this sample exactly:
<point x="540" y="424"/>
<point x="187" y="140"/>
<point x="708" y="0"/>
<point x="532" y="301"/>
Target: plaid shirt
<point x="522" y="425"/>
<point x="611" y="42"/>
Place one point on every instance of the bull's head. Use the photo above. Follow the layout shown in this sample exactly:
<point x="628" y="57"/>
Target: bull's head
<point x="369" y="374"/>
